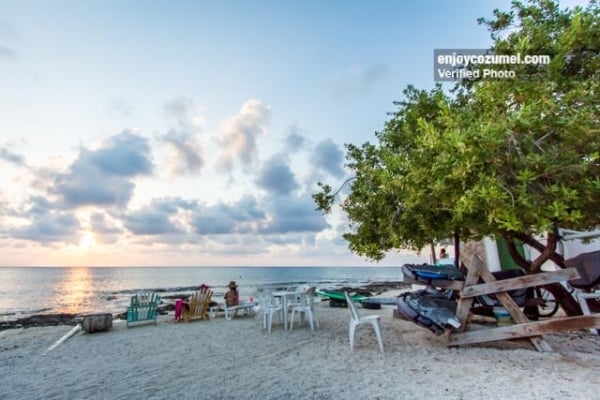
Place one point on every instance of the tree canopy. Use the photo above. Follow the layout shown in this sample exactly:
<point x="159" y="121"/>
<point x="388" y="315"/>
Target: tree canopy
<point x="516" y="158"/>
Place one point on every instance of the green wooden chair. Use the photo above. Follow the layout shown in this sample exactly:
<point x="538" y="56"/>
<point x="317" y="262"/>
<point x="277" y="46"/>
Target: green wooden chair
<point x="142" y="308"/>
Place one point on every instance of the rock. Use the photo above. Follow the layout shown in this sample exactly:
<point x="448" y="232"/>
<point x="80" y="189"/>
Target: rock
<point x="41" y="320"/>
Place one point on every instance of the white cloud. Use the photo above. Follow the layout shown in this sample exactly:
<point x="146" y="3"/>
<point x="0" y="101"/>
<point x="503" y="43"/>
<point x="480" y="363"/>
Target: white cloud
<point x="238" y="142"/>
<point x="104" y="176"/>
<point x="186" y="114"/>
<point x="186" y="152"/>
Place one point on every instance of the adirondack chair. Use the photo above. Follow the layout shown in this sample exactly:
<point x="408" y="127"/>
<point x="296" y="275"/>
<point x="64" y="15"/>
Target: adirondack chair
<point x="142" y="308"/>
<point x="198" y="305"/>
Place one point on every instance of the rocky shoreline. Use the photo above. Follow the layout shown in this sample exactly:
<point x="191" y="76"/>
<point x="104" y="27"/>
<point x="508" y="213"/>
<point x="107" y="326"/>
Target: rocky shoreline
<point x="38" y="320"/>
<point x="42" y="320"/>
<point x="50" y="319"/>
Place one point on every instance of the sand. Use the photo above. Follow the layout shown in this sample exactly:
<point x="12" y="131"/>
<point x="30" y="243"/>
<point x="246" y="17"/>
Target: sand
<point x="236" y="359"/>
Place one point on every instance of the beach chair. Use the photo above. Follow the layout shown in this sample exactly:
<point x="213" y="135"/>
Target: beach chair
<point x="197" y="307"/>
<point x="269" y="306"/>
<point x="306" y="307"/>
<point x="356" y="320"/>
<point x="246" y="308"/>
<point x="142" y="308"/>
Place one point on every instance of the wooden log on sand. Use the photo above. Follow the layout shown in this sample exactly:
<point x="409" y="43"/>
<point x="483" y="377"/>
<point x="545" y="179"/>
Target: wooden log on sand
<point x="97" y="323"/>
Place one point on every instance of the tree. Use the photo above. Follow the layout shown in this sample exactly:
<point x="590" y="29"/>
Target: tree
<point x="513" y="158"/>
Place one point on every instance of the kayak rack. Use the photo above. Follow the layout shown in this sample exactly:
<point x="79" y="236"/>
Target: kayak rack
<point x="523" y="327"/>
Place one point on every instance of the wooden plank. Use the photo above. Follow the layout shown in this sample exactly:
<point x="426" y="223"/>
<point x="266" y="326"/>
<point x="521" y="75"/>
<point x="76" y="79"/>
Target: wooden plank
<point x="520" y="282"/>
<point x="536" y="328"/>
<point x="515" y="311"/>
<point x="464" y="304"/>
<point x="439" y="283"/>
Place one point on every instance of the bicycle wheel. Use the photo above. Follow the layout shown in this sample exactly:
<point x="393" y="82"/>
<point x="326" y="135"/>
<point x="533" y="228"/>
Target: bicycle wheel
<point x="547" y="302"/>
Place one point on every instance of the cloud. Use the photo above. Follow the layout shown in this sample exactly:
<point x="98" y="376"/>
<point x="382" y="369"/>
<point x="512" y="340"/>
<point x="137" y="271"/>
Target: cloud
<point x="49" y="227"/>
<point x="327" y="156"/>
<point x="357" y="79"/>
<point x="8" y="155"/>
<point x="7" y="33"/>
<point x="187" y="152"/>
<point x="294" y="214"/>
<point x="120" y="108"/>
<point x="276" y="176"/>
<point x="294" y="141"/>
<point x="105" y="231"/>
<point x="240" y="134"/>
<point x="6" y="30"/>
<point x="242" y="216"/>
<point x="38" y="206"/>
<point x="100" y="224"/>
<point x="149" y="222"/>
<point x="124" y="155"/>
<point x="160" y="217"/>
<point x="104" y="176"/>
<point x="185" y="113"/>
<point x="7" y="53"/>
<point x="298" y="239"/>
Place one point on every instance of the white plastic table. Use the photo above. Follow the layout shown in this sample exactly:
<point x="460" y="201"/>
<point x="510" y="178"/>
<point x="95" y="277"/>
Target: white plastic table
<point x="284" y="295"/>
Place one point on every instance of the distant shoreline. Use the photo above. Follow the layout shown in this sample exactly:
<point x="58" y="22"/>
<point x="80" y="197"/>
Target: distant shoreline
<point x="39" y="318"/>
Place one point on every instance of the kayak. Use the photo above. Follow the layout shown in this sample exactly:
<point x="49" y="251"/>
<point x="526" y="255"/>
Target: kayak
<point x="340" y="296"/>
<point x="429" y="309"/>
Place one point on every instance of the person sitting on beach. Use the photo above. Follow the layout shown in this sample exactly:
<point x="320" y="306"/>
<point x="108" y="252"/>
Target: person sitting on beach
<point x="232" y="297"/>
<point x="443" y="253"/>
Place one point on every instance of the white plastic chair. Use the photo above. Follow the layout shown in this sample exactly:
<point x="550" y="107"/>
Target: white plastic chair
<point x="296" y="299"/>
<point x="268" y="306"/>
<point x="306" y="307"/>
<point x="356" y="320"/>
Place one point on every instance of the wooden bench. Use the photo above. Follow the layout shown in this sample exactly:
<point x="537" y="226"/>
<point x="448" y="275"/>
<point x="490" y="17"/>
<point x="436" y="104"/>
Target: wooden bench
<point x="246" y="308"/>
<point x="142" y="308"/>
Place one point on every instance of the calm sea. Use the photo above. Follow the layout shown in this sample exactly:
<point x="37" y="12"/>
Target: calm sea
<point x="30" y="290"/>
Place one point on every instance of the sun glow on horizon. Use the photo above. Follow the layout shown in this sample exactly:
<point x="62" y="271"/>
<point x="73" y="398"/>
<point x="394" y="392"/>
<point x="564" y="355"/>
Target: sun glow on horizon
<point x="87" y="241"/>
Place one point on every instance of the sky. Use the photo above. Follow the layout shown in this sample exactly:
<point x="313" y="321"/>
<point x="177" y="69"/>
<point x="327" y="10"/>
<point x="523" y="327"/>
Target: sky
<point x="193" y="133"/>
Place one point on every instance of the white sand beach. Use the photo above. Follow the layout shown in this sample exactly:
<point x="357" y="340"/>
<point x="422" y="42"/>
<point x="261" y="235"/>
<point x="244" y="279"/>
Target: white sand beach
<point x="235" y="359"/>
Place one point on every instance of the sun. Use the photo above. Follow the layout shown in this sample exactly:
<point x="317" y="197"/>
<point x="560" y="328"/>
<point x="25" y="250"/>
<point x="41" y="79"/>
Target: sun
<point x="87" y="241"/>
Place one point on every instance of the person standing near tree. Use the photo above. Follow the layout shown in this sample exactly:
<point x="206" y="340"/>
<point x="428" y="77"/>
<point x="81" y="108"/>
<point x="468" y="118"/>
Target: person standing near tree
<point x="443" y="253"/>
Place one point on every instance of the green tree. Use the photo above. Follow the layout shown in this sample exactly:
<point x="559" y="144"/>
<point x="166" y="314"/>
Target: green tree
<point x="513" y="158"/>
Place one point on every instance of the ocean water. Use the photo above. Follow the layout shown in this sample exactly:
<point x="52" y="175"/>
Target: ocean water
<point x="36" y="290"/>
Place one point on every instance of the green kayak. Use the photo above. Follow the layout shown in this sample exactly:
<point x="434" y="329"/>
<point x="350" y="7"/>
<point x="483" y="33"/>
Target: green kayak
<point x="338" y="295"/>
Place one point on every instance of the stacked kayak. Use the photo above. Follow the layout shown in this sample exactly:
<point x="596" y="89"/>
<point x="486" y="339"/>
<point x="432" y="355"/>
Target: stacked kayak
<point x="340" y="296"/>
<point x="435" y="309"/>
<point x="429" y="309"/>
<point x="338" y="299"/>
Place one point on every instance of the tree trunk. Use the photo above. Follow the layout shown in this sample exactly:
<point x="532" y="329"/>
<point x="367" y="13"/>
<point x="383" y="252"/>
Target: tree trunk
<point x="564" y="298"/>
<point x="456" y="248"/>
<point x="547" y="252"/>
